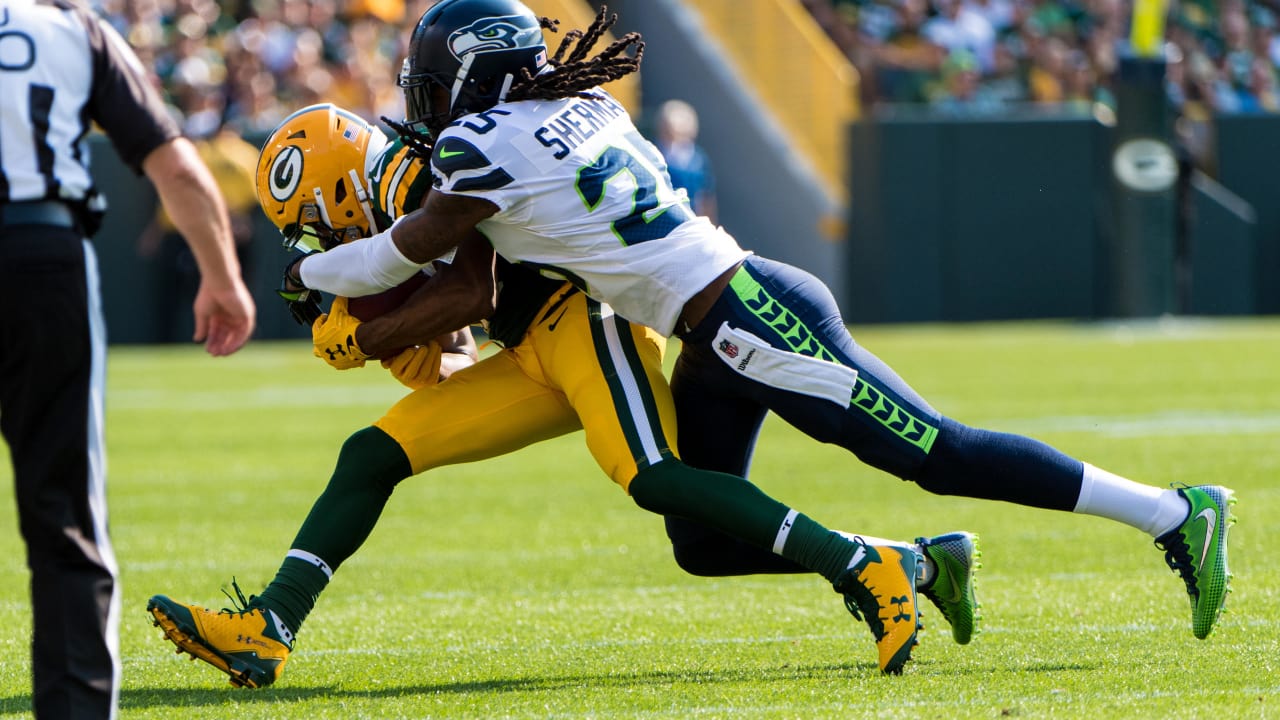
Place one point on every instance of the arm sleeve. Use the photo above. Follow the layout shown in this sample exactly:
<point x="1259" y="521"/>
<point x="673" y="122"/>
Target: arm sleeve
<point x="124" y="102"/>
<point x="359" y="268"/>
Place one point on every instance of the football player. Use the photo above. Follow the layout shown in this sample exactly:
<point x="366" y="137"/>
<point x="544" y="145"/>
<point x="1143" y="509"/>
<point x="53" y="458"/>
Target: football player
<point x="326" y="178"/>
<point x="530" y="150"/>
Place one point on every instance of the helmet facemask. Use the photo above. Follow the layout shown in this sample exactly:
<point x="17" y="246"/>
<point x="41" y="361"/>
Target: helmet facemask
<point x="315" y="231"/>
<point x="428" y="104"/>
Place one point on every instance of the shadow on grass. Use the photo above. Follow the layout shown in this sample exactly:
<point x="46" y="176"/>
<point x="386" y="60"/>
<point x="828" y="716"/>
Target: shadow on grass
<point x="144" y="698"/>
<point x="134" y="699"/>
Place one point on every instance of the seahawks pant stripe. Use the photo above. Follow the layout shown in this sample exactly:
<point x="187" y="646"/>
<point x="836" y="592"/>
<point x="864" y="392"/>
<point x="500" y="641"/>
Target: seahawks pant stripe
<point x="629" y="386"/>
<point x="790" y="333"/>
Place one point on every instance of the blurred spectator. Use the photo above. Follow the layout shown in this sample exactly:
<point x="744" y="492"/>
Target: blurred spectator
<point x="961" y="92"/>
<point x="906" y="62"/>
<point x="1079" y="83"/>
<point x="1048" y="69"/>
<point x="1266" y="43"/>
<point x="687" y="163"/>
<point x="958" y="27"/>
<point x="1262" y="95"/>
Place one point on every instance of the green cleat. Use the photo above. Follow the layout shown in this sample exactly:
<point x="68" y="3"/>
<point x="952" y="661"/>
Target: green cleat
<point x="1197" y="550"/>
<point x="880" y="588"/>
<point x="250" y="645"/>
<point x="952" y="588"/>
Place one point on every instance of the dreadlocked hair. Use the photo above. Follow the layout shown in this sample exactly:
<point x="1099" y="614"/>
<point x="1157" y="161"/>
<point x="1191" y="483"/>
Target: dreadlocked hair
<point x="419" y="145"/>
<point x="575" y="75"/>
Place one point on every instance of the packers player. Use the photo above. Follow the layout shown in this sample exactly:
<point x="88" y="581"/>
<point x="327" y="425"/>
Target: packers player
<point x="531" y="151"/>
<point x="325" y="178"/>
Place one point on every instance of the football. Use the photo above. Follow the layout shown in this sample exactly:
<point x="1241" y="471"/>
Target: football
<point x="371" y="306"/>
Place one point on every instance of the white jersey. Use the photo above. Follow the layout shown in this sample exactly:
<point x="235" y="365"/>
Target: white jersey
<point x="582" y="195"/>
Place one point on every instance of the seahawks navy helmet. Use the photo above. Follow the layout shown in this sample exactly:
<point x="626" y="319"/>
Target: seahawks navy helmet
<point x="463" y="57"/>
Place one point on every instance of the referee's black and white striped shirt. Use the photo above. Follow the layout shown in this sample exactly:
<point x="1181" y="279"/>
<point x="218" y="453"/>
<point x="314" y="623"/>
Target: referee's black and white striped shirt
<point x="61" y="69"/>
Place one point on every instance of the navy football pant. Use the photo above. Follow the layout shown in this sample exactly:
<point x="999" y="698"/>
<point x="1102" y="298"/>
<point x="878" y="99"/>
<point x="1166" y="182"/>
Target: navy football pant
<point x="772" y="312"/>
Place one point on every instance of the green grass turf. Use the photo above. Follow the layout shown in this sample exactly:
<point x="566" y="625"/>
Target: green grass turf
<point x="530" y="587"/>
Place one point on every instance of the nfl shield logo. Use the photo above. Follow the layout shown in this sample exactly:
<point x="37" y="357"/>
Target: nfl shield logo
<point x="729" y="348"/>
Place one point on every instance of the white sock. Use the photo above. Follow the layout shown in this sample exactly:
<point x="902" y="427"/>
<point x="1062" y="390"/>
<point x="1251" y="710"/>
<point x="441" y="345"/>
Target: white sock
<point x="1150" y="509"/>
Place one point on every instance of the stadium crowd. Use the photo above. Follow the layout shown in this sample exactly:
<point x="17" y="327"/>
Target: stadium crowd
<point x="245" y="63"/>
<point x="977" y="56"/>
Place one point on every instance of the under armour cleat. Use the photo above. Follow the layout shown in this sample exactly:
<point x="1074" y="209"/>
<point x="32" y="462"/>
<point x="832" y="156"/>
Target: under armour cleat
<point x="249" y="644"/>
<point x="953" y="587"/>
<point x="1197" y="550"/>
<point x="880" y="588"/>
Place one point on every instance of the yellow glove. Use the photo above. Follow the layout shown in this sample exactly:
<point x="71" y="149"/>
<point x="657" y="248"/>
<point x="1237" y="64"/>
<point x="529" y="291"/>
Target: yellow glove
<point x="334" y="337"/>
<point x="416" y="367"/>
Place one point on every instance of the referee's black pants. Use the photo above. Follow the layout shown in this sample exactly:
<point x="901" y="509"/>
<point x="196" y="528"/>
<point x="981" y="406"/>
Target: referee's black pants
<point x="52" y="353"/>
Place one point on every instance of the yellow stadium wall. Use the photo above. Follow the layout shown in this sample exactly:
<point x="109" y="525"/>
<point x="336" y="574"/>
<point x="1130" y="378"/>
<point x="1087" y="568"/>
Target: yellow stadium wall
<point x="798" y="73"/>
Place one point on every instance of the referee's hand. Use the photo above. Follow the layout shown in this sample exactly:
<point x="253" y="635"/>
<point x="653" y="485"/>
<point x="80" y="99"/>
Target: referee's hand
<point x="224" y="318"/>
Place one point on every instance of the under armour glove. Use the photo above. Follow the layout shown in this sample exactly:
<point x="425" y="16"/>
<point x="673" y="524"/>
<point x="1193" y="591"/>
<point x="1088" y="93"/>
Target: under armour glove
<point x="416" y="367"/>
<point x="334" y="337"/>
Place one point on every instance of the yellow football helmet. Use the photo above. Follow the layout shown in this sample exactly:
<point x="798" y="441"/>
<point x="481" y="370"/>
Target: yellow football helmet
<point x="311" y="177"/>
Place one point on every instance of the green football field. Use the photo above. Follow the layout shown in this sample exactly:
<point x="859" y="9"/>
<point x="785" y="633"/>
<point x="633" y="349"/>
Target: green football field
<point x="530" y="586"/>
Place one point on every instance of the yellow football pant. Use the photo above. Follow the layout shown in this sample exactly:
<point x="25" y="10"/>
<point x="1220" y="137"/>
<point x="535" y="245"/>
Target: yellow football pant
<point x="579" y="366"/>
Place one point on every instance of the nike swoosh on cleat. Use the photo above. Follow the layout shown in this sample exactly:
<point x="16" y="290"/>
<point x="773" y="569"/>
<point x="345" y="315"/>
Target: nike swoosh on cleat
<point x="1210" y="517"/>
<point x="956" y="592"/>
<point x="445" y="154"/>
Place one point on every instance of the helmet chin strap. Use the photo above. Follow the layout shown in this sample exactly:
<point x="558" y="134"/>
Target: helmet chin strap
<point x="507" y="80"/>
<point x="459" y="80"/>
<point x="323" y="207"/>
<point x="362" y="197"/>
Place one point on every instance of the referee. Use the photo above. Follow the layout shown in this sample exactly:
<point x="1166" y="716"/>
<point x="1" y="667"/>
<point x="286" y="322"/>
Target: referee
<point x="60" y="69"/>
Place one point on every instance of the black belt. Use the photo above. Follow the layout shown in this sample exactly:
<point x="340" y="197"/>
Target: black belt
<point x="47" y="212"/>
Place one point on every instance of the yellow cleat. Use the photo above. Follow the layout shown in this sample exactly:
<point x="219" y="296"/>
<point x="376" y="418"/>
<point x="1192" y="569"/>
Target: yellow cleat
<point x="880" y="588"/>
<point x="251" y="644"/>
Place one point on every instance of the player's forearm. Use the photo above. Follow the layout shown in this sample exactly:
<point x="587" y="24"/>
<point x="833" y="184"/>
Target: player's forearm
<point x="191" y="197"/>
<point x="460" y="294"/>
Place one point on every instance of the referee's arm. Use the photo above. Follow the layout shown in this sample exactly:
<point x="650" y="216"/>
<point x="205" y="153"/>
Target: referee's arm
<point x="134" y="117"/>
<point x="224" y="311"/>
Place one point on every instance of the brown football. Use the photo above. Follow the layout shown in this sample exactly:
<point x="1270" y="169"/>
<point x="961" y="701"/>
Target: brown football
<point x="371" y="306"/>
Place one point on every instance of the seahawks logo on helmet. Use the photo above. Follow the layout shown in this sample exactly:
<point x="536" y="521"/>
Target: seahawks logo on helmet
<point x="286" y="173"/>
<point x="495" y="33"/>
